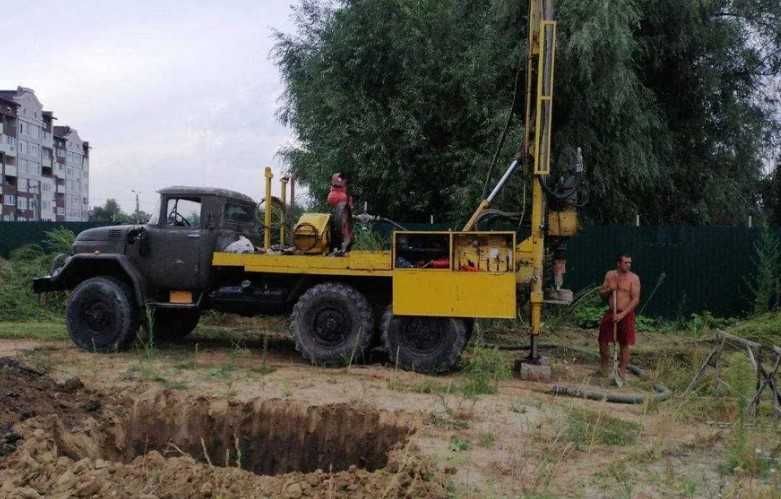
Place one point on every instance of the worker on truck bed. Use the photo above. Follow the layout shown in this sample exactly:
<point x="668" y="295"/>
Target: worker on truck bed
<point x="626" y="285"/>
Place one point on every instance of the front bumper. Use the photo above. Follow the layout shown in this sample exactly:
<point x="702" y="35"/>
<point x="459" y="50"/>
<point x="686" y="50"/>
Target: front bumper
<point x="45" y="284"/>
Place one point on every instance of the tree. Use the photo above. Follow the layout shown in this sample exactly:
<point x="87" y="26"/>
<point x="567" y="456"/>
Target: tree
<point x="109" y="213"/>
<point x="408" y="97"/>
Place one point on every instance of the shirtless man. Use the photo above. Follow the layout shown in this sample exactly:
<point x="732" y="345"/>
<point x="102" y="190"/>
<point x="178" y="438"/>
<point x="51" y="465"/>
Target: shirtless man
<point x="627" y="286"/>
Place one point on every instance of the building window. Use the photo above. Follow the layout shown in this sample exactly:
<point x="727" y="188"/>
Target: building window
<point x="21" y="203"/>
<point x="9" y="200"/>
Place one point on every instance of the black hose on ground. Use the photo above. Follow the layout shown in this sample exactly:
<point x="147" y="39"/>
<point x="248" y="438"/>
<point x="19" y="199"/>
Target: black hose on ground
<point x="661" y="392"/>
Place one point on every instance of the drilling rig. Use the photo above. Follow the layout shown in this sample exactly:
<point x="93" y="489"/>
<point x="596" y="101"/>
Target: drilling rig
<point x="418" y="300"/>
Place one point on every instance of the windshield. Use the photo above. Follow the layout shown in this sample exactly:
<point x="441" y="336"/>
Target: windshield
<point x="155" y="218"/>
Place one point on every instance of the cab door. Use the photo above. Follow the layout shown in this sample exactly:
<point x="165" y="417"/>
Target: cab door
<point x="175" y="245"/>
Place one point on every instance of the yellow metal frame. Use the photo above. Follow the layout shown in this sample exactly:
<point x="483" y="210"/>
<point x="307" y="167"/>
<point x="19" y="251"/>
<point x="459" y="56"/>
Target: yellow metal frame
<point x="355" y="263"/>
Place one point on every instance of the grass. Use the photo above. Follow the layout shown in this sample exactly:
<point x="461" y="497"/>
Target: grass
<point x="34" y="330"/>
<point x="586" y="428"/>
<point x="764" y="328"/>
<point x="484" y="367"/>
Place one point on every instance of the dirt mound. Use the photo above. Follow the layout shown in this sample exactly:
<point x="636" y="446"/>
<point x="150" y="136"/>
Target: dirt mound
<point x="26" y="393"/>
<point x="165" y="445"/>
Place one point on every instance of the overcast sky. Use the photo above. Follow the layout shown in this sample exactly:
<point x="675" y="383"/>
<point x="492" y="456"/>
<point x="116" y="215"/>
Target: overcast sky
<point x="166" y="92"/>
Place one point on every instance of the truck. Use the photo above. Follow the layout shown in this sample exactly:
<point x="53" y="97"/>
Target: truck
<point x="418" y="300"/>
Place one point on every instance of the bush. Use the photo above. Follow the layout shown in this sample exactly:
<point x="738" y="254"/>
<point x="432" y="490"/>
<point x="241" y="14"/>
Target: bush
<point x="17" y="300"/>
<point x="484" y="367"/>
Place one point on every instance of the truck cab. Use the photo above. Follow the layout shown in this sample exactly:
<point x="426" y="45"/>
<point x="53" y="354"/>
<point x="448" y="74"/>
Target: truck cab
<point x="165" y="264"/>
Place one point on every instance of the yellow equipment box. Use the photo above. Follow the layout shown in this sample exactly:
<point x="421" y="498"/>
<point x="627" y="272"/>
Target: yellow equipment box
<point x="454" y="274"/>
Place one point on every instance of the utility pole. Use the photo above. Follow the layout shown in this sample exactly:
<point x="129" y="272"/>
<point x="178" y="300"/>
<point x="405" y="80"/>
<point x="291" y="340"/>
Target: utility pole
<point x="137" y="208"/>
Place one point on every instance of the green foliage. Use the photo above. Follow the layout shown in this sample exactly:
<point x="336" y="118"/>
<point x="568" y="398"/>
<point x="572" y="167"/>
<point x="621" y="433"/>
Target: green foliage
<point x="586" y="428"/>
<point x="408" y="98"/>
<point x="458" y="444"/>
<point x="59" y="240"/>
<point x="741" y="455"/>
<point x="703" y="323"/>
<point x="764" y="328"/>
<point x="111" y="213"/>
<point x="17" y="300"/>
<point x="369" y="240"/>
<point x="589" y="317"/>
<point x="484" y="367"/>
<point x="765" y="285"/>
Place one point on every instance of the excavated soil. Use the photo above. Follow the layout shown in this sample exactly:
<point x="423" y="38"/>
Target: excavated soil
<point x="64" y="440"/>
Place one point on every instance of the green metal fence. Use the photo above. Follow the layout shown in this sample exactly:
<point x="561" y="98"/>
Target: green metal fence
<point x="705" y="268"/>
<point x="16" y="234"/>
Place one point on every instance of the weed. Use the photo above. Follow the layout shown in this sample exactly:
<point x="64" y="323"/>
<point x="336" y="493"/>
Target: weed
<point x="427" y="386"/>
<point x="585" y="428"/>
<point x="484" y="367"/>
<point x="741" y="456"/>
<point x="369" y="240"/>
<point x="458" y="444"/>
<point x="222" y="372"/>
<point x="619" y="472"/>
<point x="764" y="328"/>
<point x="487" y="440"/>
<point x="262" y="369"/>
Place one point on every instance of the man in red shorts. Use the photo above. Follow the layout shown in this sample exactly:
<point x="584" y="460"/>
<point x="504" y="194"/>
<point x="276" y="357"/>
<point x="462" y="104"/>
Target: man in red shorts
<point x="626" y="285"/>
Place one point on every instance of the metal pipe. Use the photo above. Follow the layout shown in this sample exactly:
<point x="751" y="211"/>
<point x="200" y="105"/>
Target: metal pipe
<point x="267" y="214"/>
<point x="292" y="195"/>
<point x="502" y="181"/>
<point x="283" y="197"/>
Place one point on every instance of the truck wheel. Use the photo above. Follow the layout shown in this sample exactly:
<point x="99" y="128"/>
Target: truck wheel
<point x="102" y="315"/>
<point x="423" y="344"/>
<point x="173" y="324"/>
<point x="332" y="324"/>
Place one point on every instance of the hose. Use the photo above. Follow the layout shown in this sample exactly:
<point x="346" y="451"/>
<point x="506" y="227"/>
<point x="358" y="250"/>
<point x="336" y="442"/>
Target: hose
<point x="661" y="392"/>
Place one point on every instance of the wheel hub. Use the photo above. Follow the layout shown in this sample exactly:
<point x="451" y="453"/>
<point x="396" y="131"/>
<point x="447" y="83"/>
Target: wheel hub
<point x="98" y="317"/>
<point x="330" y="326"/>
<point x="423" y="334"/>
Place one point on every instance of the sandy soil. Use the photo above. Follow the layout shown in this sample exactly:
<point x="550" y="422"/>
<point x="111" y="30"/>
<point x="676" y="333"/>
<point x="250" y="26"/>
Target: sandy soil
<point x="390" y="433"/>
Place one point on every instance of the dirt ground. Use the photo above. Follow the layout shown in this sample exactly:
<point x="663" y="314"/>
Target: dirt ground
<point x="235" y="412"/>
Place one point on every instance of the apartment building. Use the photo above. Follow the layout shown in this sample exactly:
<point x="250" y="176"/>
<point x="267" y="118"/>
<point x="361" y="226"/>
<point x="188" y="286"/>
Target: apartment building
<point x="45" y="173"/>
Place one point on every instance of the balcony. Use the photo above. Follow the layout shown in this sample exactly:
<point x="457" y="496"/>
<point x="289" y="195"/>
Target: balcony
<point x="10" y="171"/>
<point x="46" y="162"/>
<point x="60" y="189"/>
<point x="8" y="145"/>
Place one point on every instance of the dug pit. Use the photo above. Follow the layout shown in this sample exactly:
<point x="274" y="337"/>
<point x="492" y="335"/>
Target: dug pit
<point x="66" y="440"/>
<point x="267" y="437"/>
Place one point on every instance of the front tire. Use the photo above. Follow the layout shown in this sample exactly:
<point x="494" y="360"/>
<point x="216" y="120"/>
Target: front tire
<point x="429" y="345"/>
<point x="332" y="324"/>
<point x="102" y="315"/>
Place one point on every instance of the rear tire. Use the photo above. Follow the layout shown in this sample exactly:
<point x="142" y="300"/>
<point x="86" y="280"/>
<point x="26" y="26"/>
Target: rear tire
<point x="102" y="315"/>
<point x="332" y="324"/>
<point x="429" y="345"/>
<point x="173" y="324"/>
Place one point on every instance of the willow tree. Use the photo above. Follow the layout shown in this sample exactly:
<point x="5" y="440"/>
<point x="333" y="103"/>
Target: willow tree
<point x="408" y="98"/>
